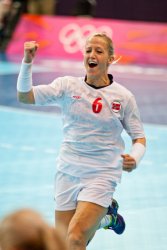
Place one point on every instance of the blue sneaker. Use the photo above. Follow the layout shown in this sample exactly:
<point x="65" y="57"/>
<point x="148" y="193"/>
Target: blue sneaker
<point x="118" y="223"/>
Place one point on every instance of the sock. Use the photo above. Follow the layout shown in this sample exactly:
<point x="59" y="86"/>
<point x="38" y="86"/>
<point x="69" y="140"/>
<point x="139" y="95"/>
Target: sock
<point x="107" y="220"/>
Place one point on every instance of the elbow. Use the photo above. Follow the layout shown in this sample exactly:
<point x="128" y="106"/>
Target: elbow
<point x="26" y="98"/>
<point x="21" y="97"/>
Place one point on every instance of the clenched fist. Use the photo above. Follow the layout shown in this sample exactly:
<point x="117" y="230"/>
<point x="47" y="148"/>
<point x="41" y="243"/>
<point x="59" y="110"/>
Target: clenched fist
<point x="30" y="49"/>
<point x="129" y="163"/>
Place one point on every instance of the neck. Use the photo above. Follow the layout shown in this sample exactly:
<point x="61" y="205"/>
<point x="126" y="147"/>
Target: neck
<point x="98" y="81"/>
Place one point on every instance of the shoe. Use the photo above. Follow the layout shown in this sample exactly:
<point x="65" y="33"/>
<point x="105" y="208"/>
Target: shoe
<point x="118" y="223"/>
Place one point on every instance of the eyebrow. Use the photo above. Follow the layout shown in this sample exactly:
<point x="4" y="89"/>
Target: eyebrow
<point x="89" y="47"/>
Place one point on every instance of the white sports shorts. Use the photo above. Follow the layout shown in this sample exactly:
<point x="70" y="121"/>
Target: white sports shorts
<point x="70" y="189"/>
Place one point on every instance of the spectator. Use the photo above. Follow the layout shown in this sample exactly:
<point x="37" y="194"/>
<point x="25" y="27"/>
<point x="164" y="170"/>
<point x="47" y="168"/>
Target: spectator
<point x="10" y="12"/>
<point x="25" y="229"/>
<point x="41" y="7"/>
<point x="85" y="8"/>
<point x="5" y="8"/>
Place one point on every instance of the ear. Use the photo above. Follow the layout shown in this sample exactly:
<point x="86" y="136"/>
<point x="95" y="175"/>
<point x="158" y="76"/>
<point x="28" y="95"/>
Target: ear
<point x="111" y="59"/>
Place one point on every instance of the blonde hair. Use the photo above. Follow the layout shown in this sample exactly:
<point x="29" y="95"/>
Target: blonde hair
<point x="25" y="229"/>
<point x="107" y="39"/>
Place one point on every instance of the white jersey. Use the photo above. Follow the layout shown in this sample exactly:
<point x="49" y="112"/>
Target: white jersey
<point x="93" y="120"/>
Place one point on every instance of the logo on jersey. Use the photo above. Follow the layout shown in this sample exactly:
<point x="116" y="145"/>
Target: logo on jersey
<point x="77" y="97"/>
<point x="116" y="106"/>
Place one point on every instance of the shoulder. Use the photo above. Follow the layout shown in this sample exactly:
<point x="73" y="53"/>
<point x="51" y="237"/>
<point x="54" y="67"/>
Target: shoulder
<point x="122" y="90"/>
<point x="66" y="82"/>
<point x="123" y="95"/>
<point x="68" y="79"/>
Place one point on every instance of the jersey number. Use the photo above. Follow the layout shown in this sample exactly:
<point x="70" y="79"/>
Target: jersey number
<point x="97" y="105"/>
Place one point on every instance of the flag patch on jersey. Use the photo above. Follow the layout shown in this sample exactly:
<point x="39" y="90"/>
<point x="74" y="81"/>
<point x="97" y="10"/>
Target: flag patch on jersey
<point x="116" y="106"/>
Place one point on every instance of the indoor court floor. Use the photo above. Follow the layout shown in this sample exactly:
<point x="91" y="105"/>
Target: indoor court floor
<point x="30" y="138"/>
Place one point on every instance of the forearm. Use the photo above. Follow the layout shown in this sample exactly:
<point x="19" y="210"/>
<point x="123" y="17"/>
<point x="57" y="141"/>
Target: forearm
<point x="24" y="84"/>
<point x="140" y="140"/>
<point x="131" y="160"/>
<point x="27" y="98"/>
<point x="138" y="149"/>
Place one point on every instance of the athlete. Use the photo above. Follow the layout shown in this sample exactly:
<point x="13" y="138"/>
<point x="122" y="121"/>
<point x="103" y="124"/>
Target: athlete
<point x="95" y="110"/>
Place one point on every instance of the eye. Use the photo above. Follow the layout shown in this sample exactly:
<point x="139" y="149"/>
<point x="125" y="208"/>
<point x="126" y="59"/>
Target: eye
<point x="99" y="51"/>
<point x="88" y="50"/>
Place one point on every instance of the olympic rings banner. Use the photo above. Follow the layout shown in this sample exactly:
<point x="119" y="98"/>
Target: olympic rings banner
<point x="64" y="37"/>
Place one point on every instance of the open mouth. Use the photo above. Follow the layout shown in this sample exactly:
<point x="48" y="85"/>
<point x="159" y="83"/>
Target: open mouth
<point x="92" y="64"/>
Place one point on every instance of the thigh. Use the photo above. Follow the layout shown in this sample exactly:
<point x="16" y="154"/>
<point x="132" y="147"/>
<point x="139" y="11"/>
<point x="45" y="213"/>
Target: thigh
<point x="97" y="190"/>
<point x="87" y="218"/>
<point x="67" y="189"/>
<point x="62" y="219"/>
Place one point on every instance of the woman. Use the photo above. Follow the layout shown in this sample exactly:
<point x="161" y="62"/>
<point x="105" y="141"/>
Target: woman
<point x="95" y="111"/>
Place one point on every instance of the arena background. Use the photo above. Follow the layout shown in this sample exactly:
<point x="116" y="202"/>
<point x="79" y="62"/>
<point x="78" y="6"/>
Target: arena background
<point x="30" y="137"/>
<point x="143" y="10"/>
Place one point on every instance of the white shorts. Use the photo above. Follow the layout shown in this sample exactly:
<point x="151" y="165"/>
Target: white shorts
<point x="70" y="189"/>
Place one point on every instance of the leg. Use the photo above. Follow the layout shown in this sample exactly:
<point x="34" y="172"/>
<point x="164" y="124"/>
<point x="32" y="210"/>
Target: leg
<point x="83" y="224"/>
<point x="62" y="220"/>
<point x="113" y="220"/>
<point x="65" y="193"/>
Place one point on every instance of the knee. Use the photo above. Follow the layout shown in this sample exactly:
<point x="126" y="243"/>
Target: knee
<point x="76" y="236"/>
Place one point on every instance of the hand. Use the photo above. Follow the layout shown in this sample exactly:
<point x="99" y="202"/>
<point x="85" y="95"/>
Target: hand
<point x="30" y="49"/>
<point x="129" y="163"/>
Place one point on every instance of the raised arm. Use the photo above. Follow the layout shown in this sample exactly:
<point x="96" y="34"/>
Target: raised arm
<point x="24" y="83"/>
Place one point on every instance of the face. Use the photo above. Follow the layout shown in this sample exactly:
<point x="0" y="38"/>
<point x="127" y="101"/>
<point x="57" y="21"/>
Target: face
<point x="96" y="56"/>
<point x="5" y="5"/>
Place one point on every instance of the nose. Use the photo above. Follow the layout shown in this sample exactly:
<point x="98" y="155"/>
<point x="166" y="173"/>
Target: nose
<point x="92" y="53"/>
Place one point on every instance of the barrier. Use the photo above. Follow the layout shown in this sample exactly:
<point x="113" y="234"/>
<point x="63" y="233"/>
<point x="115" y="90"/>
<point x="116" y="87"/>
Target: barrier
<point x="64" y="37"/>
